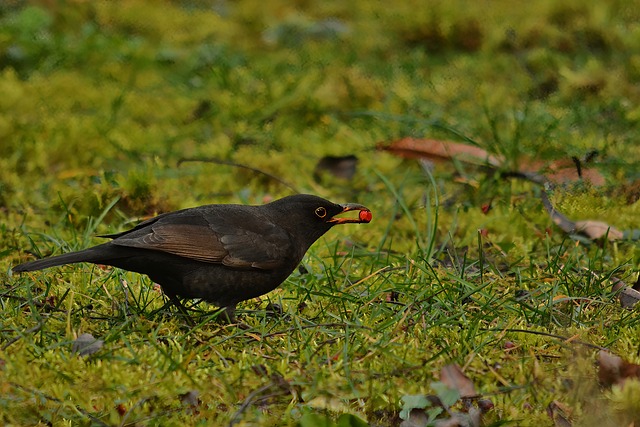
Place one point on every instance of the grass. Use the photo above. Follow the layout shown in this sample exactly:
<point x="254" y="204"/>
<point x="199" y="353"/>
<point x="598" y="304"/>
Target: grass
<point x="102" y="100"/>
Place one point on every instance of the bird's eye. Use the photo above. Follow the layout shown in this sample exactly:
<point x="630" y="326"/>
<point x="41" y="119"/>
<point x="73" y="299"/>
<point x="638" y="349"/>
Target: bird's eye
<point x="321" y="212"/>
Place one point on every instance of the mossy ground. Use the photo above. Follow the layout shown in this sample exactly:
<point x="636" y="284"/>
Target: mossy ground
<point x="101" y="100"/>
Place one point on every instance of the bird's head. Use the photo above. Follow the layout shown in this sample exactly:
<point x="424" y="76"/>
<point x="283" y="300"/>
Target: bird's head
<point x="313" y="216"/>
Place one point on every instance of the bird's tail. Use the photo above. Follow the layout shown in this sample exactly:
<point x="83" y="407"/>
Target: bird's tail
<point x="86" y="255"/>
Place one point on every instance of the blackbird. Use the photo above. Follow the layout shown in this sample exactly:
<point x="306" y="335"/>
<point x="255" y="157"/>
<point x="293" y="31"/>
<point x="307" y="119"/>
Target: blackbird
<point x="222" y="254"/>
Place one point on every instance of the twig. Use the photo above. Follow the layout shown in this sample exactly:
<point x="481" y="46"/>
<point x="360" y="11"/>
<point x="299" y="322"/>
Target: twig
<point x="55" y="399"/>
<point x="560" y="220"/>
<point x="546" y="334"/>
<point x="28" y="331"/>
<point x="253" y="397"/>
<point x="238" y="165"/>
<point x="247" y="402"/>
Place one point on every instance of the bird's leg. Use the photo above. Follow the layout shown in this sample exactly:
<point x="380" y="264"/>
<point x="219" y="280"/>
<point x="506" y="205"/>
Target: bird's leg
<point x="181" y="308"/>
<point x="228" y="315"/>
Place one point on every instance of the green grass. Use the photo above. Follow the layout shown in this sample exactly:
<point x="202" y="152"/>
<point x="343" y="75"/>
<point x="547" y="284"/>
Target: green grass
<point x="102" y="100"/>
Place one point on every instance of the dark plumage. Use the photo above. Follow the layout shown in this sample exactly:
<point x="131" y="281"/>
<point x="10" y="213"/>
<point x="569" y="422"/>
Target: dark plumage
<point x="223" y="254"/>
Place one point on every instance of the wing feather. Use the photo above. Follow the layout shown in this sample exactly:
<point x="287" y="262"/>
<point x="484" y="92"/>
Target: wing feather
<point x="237" y="241"/>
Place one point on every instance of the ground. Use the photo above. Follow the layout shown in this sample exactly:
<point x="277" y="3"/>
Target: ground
<point x="117" y="111"/>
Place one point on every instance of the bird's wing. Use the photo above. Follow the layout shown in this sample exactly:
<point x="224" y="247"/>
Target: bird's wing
<point x="237" y="241"/>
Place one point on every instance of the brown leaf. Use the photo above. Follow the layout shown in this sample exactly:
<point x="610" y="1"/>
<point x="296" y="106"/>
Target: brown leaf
<point x="436" y="150"/>
<point x="609" y="368"/>
<point x="455" y="421"/>
<point x="560" y="414"/>
<point x="191" y="401"/>
<point x="597" y="230"/>
<point x="594" y="230"/>
<point x="563" y="170"/>
<point x="628" y="296"/>
<point x="417" y="418"/>
<point x="339" y="166"/>
<point x="614" y="371"/>
<point x="570" y="175"/>
<point x="86" y="345"/>
<point x="453" y="377"/>
<point x="475" y="417"/>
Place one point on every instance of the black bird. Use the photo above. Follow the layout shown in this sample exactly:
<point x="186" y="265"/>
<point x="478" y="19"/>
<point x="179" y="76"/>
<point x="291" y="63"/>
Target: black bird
<point x="222" y="254"/>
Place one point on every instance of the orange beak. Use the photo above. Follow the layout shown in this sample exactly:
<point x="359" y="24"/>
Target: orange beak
<point x="364" y="215"/>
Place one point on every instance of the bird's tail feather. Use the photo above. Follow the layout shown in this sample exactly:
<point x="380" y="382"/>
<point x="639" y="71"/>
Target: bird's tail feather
<point x="87" y="255"/>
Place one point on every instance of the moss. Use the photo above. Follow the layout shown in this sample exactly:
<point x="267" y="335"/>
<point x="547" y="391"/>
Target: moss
<point x="102" y="100"/>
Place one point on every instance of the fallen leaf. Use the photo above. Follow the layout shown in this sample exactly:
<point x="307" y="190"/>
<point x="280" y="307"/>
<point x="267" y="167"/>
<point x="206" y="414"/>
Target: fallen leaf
<point x="435" y="150"/>
<point x="628" y="296"/>
<point x="418" y="401"/>
<point x="453" y="377"/>
<point x="339" y="166"/>
<point x="475" y="416"/>
<point x="560" y="414"/>
<point x="591" y="229"/>
<point x="455" y="421"/>
<point x="615" y="371"/>
<point x="86" y="345"/>
<point x="570" y="175"/>
<point x="597" y="230"/>
<point x="191" y="400"/>
<point x="416" y="418"/>
<point x="564" y="170"/>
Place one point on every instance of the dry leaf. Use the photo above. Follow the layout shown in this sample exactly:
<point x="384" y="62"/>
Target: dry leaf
<point x="597" y="230"/>
<point x="339" y="166"/>
<point x="614" y="371"/>
<point x="191" y="401"/>
<point x="593" y="230"/>
<point x="563" y="171"/>
<point x="190" y="398"/>
<point x="628" y="296"/>
<point x="86" y="345"/>
<point x="417" y="418"/>
<point x="570" y="175"/>
<point x="455" y="421"/>
<point x="558" y="172"/>
<point x="560" y="414"/>
<point x="453" y="377"/>
<point x="435" y="150"/>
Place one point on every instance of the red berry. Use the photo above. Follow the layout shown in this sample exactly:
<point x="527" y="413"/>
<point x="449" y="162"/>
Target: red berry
<point x="365" y="216"/>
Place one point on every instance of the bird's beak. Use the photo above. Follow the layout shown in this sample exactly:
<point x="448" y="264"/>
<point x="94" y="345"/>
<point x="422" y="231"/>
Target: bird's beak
<point x="364" y="215"/>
